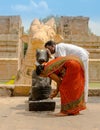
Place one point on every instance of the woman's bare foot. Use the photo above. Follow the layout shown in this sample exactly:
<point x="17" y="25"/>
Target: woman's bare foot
<point x="60" y="114"/>
<point x="77" y="113"/>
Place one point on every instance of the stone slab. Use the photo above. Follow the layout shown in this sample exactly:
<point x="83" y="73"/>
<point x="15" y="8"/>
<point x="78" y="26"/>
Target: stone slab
<point x="21" y="90"/>
<point x="42" y="105"/>
<point x="94" y="92"/>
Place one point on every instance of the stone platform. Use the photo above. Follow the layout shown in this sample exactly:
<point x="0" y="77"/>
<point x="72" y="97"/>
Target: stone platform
<point x="42" y="105"/>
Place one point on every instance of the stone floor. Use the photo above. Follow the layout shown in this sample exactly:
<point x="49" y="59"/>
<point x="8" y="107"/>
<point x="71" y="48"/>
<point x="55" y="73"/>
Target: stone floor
<point x="14" y="115"/>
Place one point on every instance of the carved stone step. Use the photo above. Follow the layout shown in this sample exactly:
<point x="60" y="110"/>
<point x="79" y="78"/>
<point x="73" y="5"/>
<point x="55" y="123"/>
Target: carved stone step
<point x="42" y="105"/>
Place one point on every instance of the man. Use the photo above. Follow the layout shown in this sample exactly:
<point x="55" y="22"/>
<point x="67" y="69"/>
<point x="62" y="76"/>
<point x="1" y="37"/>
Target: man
<point x="63" y="49"/>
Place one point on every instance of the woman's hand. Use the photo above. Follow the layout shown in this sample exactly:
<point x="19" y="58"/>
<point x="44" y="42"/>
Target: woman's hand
<point x="54" y="93"/>
<point x="58" y="81"/>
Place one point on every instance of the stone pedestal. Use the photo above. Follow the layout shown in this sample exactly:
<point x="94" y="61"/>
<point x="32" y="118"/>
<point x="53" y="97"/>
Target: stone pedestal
<point x="42" y="105"/>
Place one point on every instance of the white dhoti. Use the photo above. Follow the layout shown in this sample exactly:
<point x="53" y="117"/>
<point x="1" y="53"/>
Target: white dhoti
<point x="86" y="62"/>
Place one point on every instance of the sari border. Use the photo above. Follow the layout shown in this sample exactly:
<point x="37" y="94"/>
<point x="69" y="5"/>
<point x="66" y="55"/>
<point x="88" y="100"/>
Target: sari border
<point x="74" y="106"/>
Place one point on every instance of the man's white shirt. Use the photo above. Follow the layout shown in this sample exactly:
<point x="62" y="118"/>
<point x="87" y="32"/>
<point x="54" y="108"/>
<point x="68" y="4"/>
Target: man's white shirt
<point x="63" y="49"/>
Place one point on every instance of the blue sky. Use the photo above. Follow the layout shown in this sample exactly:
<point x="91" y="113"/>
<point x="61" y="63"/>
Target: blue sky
<point x="31" y="9"/>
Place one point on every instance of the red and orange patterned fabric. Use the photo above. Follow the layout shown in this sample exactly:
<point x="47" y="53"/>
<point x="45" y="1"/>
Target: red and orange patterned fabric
<point x="71" y="89"/>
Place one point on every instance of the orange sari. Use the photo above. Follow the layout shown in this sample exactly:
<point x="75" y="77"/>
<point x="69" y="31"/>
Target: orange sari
<point x="71" y="89"/>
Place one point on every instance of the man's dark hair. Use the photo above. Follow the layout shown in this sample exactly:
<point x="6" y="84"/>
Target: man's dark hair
<point x="49" y="43"/>
<point x="39" y="69"/>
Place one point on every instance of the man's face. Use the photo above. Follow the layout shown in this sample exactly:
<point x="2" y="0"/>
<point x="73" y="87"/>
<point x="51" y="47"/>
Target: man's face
<point x="51" y="48"/>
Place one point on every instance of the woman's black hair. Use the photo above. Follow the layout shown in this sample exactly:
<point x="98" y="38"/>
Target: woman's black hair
<point x="39" y="69"/>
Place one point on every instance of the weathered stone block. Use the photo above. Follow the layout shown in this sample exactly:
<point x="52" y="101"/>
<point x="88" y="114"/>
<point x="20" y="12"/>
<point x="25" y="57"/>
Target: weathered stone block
<point x="94" y="92"/>
<point x="42" y="105"/>
<point x="21" y="90"/>
<point x="94" y="70"/>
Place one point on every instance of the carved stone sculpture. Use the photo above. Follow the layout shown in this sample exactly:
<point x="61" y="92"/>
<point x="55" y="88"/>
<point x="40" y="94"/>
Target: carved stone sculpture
<point x="39" y="33"/>
<point x="41" y="87"/>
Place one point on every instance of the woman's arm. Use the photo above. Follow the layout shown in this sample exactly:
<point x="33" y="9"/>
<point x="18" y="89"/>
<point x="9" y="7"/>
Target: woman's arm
<point x="58" y="81"/>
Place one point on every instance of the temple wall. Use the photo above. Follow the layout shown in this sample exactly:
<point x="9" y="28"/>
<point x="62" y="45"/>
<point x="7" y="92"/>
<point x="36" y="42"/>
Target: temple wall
<point x="75" y="30"/>
<point x="11" y="48"/>
<point x="94" y="70"/>
<point x="8" y="68"/>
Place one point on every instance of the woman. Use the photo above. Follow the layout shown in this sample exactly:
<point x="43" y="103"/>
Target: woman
<point x="68" y="72"/>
